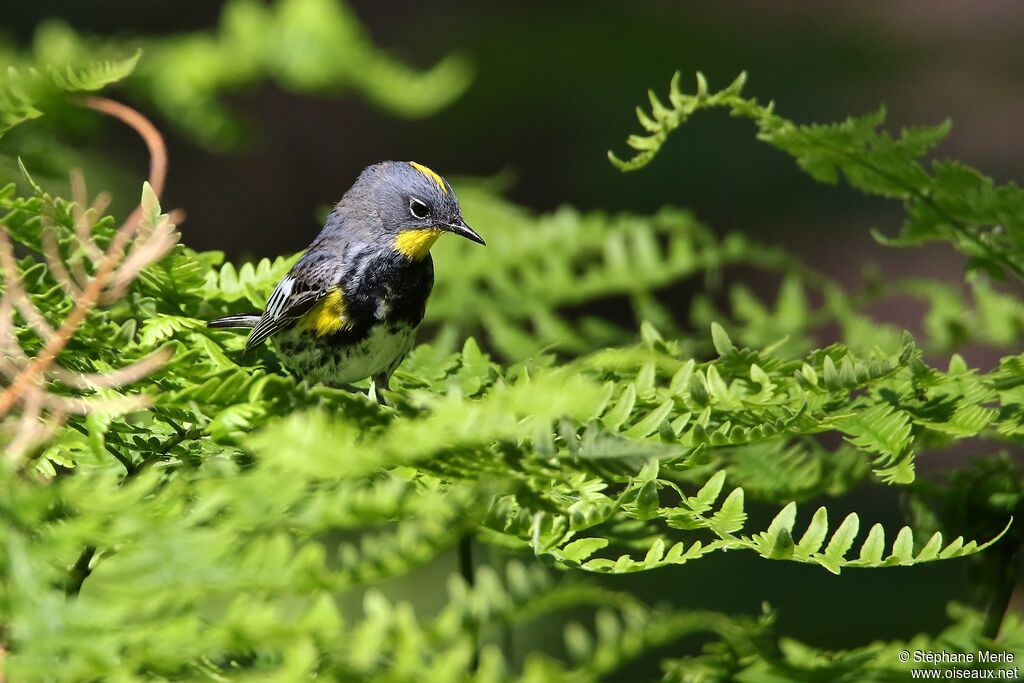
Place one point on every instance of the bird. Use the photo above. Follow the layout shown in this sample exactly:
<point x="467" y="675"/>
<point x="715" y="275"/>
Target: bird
<point x="350" y="307"/>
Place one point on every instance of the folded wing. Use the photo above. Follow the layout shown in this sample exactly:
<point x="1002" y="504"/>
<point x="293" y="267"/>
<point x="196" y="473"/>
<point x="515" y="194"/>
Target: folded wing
<point x="293" y="297"/>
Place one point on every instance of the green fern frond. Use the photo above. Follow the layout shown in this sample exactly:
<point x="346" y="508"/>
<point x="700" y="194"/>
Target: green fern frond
<point x="26" y="94"/>
<point x="17" y="102"/>
<point x="987" y="227"/>
<point x="95" y="76"/>
<point x="662" y="120"/>
<point x="253" y="283"/>
<point x="727" y="521"/>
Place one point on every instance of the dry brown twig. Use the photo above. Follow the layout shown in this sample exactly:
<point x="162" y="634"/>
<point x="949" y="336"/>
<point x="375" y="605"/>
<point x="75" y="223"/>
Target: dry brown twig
<point x="138" y="242"/>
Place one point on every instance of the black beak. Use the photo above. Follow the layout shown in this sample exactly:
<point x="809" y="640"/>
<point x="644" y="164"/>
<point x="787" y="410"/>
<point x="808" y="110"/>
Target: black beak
<point x="460" y="228"/>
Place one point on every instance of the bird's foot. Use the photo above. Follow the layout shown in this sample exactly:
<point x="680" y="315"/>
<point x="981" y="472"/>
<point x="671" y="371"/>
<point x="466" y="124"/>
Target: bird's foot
<point x="380" y="383"/>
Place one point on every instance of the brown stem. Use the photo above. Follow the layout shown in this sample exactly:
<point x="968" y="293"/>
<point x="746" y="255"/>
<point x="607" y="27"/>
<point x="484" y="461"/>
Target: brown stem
<point x="146" y="130"/>
<point x="114" y="254"/>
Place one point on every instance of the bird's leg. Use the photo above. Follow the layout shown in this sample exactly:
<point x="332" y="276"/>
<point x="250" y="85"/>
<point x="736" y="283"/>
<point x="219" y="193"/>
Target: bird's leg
<point x="381" y="382"/>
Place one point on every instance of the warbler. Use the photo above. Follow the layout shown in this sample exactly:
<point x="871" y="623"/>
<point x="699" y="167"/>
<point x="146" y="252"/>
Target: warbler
<point x="351" y="305"/>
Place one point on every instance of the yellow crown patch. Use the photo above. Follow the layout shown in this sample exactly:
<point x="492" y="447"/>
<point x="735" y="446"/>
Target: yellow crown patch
<point x="430" y="174"/>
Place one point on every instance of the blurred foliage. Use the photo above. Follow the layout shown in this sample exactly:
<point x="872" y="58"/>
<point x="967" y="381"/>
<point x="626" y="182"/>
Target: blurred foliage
<point x="24" y="93"/>
<point x="306" y="46"/>
<point x="241" y="527"/>
<point x="757" y="655"/>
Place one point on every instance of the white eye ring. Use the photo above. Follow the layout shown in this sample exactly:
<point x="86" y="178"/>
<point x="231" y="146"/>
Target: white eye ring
<point x="418" y="209"/>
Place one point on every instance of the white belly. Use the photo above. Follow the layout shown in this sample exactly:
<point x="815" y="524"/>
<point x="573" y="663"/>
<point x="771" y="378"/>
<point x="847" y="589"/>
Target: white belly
<point x="379" y="352"/>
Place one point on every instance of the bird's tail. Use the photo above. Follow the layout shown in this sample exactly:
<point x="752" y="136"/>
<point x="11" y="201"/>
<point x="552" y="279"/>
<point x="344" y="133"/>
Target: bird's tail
<point x="249" y="320"/>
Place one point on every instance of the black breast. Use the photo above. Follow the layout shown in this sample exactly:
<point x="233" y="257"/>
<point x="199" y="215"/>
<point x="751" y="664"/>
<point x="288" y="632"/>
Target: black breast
<point x="388" y="289"/>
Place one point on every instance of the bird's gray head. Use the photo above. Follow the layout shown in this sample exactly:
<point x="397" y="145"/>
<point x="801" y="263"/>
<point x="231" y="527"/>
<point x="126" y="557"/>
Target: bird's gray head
<point x="414" y="204"/>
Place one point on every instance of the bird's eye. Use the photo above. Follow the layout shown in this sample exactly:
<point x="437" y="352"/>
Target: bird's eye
<point x="418" y="209"/>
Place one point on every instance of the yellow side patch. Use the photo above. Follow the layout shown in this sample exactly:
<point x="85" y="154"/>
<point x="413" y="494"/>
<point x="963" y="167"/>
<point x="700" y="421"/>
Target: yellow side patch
<point x="415" y="244"/>
<point x="327" y="315"/>
<point x="430" y="174"/>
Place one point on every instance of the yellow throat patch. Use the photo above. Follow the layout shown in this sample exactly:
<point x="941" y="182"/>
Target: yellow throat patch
<point x="415" y="244"/>
<point x="430" y="174"/>
<point x="327" y="315"/>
